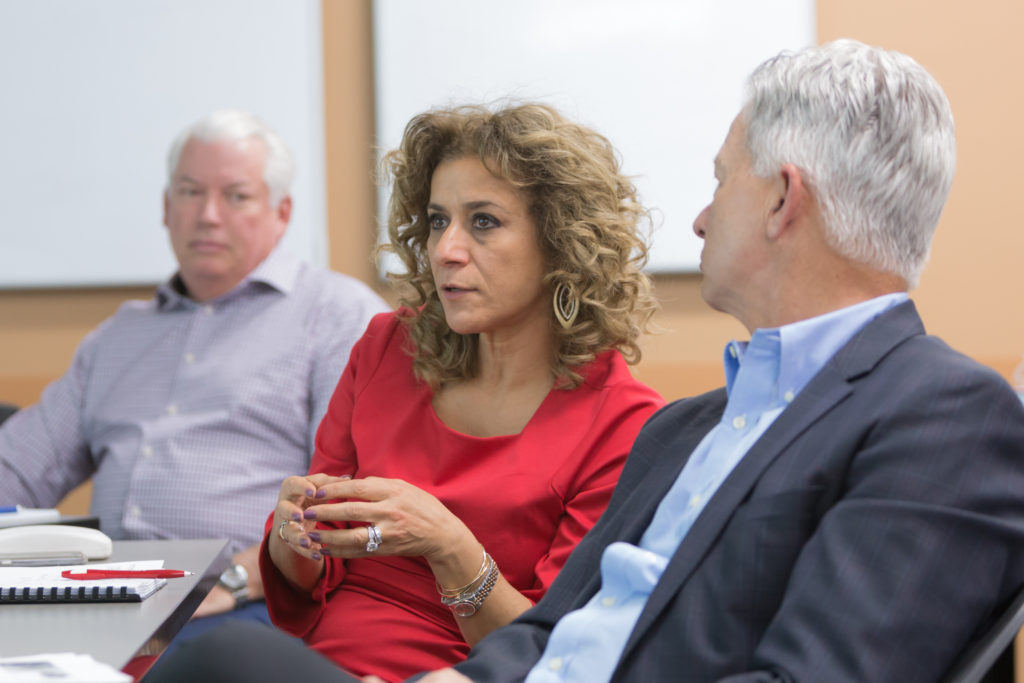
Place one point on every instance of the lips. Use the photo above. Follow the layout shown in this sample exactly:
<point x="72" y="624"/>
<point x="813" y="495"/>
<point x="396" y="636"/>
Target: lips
<point x="206" y="246"/>
<point x="452" y="292"/>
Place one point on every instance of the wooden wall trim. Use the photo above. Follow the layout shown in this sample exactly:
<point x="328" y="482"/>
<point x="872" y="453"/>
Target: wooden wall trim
<point x="349" y="137"/>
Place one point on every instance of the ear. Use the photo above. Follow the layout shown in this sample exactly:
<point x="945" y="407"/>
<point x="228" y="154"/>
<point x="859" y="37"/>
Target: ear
<point x="284" y="212"/>
<point x="791" y="200"/>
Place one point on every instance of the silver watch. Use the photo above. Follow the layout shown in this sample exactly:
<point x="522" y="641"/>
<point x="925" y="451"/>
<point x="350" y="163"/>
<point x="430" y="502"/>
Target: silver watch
<point x="236" y="580"/>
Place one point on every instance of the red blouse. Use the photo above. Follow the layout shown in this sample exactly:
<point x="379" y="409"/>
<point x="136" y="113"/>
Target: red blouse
<point x="528" y="498"/>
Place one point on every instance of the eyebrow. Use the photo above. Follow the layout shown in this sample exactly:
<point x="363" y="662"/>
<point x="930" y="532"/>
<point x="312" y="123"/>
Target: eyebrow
<point x="481" y="204"/>
<point x="230" y="186"/>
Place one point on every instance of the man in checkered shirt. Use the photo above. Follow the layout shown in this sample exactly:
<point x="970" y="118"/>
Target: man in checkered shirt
<point x="188" y="409"/>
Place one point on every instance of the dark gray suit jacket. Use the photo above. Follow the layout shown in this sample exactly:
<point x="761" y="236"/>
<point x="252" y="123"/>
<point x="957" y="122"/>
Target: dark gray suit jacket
<point x="868" y="536"/>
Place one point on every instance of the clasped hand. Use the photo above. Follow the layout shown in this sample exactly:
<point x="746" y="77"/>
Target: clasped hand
<point x="411" y="521"/>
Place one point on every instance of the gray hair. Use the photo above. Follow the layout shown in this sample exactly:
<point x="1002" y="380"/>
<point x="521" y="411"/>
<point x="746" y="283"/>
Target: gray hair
<point x="872" y="134"/>
<point x="232" y="125"/>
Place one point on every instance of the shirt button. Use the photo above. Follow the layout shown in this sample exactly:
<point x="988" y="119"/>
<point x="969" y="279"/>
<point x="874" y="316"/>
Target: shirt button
<point x="172" y="409"/>
<point x="190" y="358"/>
<point x="695" y="500"/>
<point x="555" y="664"/>
<point x="739" y="422"/>
<point x="134" y="511"/>
<point x="147" y="451"/>
<point x="788" y="396"/>
<point x="608" y="601"/>
<point x="732" y="350"/>
<point x="208" y="309"/>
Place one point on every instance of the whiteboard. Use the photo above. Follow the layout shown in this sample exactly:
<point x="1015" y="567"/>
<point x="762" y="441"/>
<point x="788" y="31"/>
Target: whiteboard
<point x="95" y="90"/>
<point x="662" y="79"/>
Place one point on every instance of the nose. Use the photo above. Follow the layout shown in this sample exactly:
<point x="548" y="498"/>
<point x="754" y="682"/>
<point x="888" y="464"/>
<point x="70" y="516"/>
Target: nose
<point x="211" y="209"/>
<point x="450" y="246"/>
<point x="701" y="222"/>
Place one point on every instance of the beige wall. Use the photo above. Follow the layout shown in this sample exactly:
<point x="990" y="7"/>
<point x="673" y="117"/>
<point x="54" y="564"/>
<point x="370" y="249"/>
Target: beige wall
<point x="969" y="293"/>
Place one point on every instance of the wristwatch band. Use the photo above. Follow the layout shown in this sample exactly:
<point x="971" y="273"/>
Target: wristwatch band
<point x="235" y="580"/>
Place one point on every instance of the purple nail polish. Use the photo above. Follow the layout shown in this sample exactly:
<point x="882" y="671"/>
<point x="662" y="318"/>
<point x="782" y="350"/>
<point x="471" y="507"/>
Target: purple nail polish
<point x="314" y="536"/>
<point x="326" y="552"/>
<point x="309" y="493"/>
<point x="296" y="517"/>
<point x="304" y="543"/>
<point x="309" y="514"/>
<point x="321" y="493"/>
<point x="316" y="556"/>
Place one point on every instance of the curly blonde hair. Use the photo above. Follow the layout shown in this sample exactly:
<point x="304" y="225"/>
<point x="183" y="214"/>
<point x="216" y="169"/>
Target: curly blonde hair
<point x="586" y="211"/>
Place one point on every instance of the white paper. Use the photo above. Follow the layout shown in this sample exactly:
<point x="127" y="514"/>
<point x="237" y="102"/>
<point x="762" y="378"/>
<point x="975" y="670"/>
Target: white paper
<point x="62" y="667"/>
<point x="50" y="576"/>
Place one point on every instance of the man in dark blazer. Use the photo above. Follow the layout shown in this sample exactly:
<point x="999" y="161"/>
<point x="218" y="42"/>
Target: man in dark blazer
<point x="876" y="526"/>
<point x="851" y="506"/>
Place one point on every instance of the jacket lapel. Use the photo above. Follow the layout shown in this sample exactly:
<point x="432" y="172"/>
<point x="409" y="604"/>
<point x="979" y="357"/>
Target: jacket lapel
<point x="660" y="451"/>
<point x="829" y="386"/>
<point x="667" y="450"/>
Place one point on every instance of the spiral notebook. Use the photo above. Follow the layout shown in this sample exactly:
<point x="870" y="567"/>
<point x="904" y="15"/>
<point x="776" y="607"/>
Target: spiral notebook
<point x="45" y="584"/>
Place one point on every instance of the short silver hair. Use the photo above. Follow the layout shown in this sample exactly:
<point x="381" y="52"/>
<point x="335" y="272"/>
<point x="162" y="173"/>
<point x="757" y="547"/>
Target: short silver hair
<point x="872" y="134"/>
<point x="235" y="126"/>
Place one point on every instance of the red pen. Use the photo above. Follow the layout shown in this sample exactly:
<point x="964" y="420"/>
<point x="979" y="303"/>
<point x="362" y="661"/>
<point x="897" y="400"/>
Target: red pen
<point x="96" y="574"/>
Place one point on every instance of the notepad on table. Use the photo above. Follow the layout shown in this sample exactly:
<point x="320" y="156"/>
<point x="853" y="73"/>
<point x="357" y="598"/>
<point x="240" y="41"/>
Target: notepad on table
<point x="45" y="584"/>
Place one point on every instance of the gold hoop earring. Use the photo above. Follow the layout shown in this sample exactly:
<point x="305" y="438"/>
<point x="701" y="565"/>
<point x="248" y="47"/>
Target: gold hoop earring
<point x="566" y="304"/>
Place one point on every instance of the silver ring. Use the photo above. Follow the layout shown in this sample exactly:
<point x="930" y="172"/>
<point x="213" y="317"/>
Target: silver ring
<point x="373" y="539"/>
<point x="280" y="528"/>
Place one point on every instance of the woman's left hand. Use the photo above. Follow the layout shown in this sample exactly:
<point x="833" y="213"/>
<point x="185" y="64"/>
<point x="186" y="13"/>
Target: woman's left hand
<point x="411" y="522"/>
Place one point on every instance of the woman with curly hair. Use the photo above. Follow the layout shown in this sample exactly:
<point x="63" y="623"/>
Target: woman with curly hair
<point x="477" y="432"/>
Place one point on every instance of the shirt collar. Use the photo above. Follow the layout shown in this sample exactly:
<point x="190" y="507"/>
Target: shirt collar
<point x="279" y="271"/>
<point x="794" y="353"/>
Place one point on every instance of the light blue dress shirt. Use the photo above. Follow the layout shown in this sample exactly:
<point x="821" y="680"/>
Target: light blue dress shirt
<point x="762" y="378"/>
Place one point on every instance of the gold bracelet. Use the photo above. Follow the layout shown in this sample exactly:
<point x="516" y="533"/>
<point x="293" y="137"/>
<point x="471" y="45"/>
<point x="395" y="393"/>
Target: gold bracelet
<point x="453" y="592"/>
